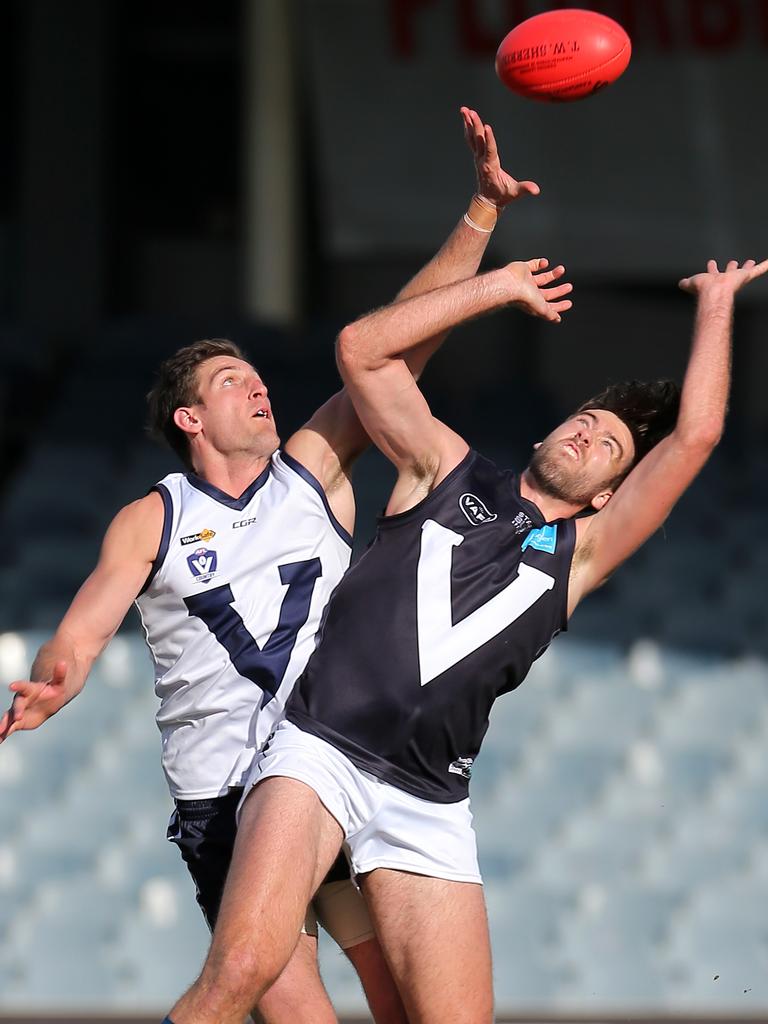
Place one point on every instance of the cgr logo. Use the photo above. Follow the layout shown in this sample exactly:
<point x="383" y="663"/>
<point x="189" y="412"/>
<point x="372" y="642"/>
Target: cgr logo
<point x="475" y="510"/>
<point x="202" y="564"/>
<point x="243" y="522"/>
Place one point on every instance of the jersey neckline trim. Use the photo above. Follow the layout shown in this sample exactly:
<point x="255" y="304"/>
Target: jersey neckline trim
<point x="529" y="506"/>
<point x="238" y="504"/>
<point x="165" y="537"/>
<point x="315" y="484"/>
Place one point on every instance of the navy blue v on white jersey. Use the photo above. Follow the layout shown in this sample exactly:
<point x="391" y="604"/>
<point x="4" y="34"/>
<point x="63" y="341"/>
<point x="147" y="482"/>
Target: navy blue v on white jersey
<point x="447" y="610"/>
<point x="231" y="611"/>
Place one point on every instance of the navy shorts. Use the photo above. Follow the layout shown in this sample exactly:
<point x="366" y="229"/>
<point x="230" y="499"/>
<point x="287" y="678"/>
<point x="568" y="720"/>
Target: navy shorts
<point x="204" y="831"/>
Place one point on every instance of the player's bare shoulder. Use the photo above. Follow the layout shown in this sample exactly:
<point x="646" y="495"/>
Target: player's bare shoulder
<point x="136" y="530"/>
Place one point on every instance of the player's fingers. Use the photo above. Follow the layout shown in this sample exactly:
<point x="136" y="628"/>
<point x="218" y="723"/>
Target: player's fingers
<point x="732" y="265"/>
<point x="760" y="268"/>
<point x="529" y="186"/>
<point x="557" y="292"/>
<point x="491" y="149"/>
<point x="538" y="264"/>
<point x="25" y="694"/>
<point x="545" y="277"/>
<point x="479" y="137"/>
<point x="469" y="134"/>
<point x="712" y="267"/>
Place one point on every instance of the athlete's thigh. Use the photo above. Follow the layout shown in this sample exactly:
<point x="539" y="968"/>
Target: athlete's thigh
<point x="435" y="936"/>
<point x="286" y="841"/>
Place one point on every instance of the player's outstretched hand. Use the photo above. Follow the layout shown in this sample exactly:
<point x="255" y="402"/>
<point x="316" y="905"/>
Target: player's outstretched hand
<point x="533" y="289"/>
<point x="493" y="182"/>
<point x="732" y="278"/>
<point x="34" y="702"/>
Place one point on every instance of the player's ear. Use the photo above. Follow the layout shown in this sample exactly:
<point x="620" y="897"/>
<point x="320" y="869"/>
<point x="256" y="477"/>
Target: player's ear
<point x="185" y="420"/>
<point x="601" y="500"/>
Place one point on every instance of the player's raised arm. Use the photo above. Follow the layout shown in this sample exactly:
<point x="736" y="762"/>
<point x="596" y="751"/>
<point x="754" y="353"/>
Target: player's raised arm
<point x="644" y="500"/>
<point x="372" y="356"/>
<point x="63" y="663"/>
<point x="334" y="437"/>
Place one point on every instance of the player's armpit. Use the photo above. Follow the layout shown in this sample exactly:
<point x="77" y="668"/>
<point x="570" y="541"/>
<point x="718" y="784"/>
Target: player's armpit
<point x="327" y="445"/>
<point x="330" y="440"/>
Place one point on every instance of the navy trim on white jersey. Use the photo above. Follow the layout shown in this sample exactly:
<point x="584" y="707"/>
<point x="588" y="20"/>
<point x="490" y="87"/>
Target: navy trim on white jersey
<point x="305" y="474"/>
<point x="165" y="537"/>
<point x="238" y="504"/>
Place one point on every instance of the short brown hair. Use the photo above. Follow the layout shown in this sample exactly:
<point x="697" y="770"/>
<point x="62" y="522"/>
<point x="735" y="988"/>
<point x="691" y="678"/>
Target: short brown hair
<point x="648" y="409"/>
<point x="176" y="385"/>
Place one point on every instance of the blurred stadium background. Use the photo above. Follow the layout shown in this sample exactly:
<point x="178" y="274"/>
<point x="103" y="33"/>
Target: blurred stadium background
<point x="265" y="170"/>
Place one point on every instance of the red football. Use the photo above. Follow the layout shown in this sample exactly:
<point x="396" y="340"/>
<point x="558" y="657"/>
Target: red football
<point x="563" y="55"/>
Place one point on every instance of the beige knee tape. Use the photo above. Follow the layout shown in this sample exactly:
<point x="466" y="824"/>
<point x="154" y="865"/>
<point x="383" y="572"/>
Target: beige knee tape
<point x="342" y="912"/>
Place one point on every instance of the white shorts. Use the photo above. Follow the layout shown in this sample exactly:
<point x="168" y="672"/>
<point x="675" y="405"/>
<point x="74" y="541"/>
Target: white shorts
<point x="384" y="827"/>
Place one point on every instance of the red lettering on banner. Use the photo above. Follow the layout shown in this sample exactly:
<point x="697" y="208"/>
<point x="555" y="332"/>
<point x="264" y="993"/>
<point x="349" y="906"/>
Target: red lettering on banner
<point x="668" y="25"/>
<point x="403" y="13"/>
<point x="715" y="24"/>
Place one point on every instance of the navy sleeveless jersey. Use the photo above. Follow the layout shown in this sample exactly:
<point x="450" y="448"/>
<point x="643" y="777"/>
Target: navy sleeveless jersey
<point x="446" y="610"/>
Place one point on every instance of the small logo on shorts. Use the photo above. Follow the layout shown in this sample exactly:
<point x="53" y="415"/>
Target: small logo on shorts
<point x="475" y="510"/>
<point x="462" y="766"/>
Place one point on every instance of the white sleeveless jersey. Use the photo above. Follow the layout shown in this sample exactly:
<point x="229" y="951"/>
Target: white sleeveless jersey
<point x="230" y="613"/>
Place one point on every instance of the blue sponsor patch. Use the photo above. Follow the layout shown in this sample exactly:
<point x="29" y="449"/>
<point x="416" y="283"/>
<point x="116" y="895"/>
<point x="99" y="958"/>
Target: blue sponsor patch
<point x="543" y="539"/>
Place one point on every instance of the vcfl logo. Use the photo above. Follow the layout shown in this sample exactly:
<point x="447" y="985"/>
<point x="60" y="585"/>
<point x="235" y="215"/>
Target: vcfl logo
<point x="476" y="511"/>
<point x="202" y="564"/>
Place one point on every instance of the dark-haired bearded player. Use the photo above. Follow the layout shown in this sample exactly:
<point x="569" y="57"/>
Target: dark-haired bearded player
<point x="472" y="573"/>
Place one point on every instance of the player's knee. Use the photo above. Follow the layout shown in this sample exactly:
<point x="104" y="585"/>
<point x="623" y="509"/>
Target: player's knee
<point x="240" y="975"/>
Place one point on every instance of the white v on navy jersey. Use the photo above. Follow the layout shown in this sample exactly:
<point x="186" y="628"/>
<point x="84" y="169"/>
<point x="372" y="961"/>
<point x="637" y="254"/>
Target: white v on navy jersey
<point x="447" y="610"/>
<point x="230" y="613"/>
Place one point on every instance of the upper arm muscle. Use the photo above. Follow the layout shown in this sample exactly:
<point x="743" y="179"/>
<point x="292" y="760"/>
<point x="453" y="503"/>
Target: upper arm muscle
<point x="129" y="548"/>
<point x="637" y="509"/>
